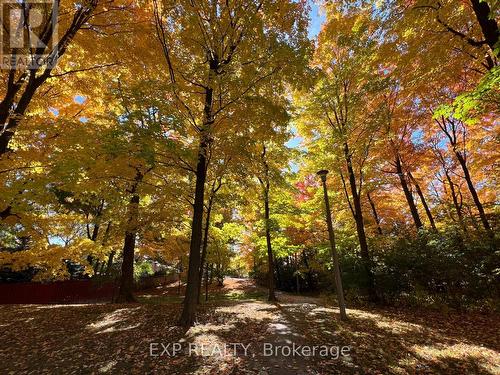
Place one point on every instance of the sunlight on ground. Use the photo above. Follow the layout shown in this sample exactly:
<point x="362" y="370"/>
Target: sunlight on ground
<point x="399" y="327"/>
<point x="108" y="322"/>
<point x="279" y="328"/>
<point x="107" y="367"/>
<point x="250" y="310"/>
<point x="201" y="329"/>
<point x="209" y="349"/>
<point x="484" y="357"/>
<point x="38" y="307"/>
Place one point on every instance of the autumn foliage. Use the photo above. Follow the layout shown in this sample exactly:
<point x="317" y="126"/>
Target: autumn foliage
<point x="189" y="133"/>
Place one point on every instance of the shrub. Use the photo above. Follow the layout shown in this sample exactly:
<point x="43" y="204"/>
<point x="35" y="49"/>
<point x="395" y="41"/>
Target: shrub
<point x="142" y="269"/>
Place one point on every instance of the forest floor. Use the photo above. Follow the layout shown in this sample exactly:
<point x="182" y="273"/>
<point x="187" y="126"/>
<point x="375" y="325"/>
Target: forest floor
<point x="235" y="327"/>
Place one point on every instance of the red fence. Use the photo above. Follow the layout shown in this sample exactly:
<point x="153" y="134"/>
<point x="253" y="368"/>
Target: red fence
<point x="72" y="291"/>
<point x="69" y="291"/>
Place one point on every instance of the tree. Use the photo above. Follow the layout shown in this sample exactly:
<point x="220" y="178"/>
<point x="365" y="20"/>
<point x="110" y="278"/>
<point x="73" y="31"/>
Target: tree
<point x="266" y="185"/>
<point x="236" y="47"/>
<point x="456" y="133"/>
<point x="24" y="80"/>
<point x="343" y="99"/>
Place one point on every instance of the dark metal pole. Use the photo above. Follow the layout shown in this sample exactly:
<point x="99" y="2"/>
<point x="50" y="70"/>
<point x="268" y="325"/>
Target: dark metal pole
<point x="333" y="249"/>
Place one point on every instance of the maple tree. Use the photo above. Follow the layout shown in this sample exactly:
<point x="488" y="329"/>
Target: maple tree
<point x="50" y="39"/>
<point x="231" y="43"/>
<point x="162" y="133"/>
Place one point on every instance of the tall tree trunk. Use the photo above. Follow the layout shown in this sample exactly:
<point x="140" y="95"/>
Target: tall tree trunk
<point x="375" y="214"/>
<point x="408" y="194"/>
<point x="270" y="257"/>
<point x="360" y="227"/>
<point x="205" y="244"/>
<point x="473" y="192"/>
<point x="424" y="202"/>
<point x="219" y="276"/>
<point x="125" y="294"/>
<point x="12" y="89"/>
<point x="264" y="181"/>
<point x="188" y="315"/>
<point x="127" y="275"/>
<point x="93" y="237"/>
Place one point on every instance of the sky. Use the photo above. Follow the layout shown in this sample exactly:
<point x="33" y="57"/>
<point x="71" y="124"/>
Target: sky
<point x="317" y="18"/>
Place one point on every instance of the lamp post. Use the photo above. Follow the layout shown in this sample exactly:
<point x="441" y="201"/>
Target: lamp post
<point x="336" y="269"/>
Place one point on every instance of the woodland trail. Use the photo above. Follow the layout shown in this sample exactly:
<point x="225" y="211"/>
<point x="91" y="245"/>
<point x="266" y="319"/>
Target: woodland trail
<point x="117" y="338"/>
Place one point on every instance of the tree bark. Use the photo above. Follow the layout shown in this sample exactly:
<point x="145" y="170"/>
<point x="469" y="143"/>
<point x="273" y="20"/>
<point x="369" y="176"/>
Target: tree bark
<point x="110" y="262"/>
<point x="205" y="244"/>
<point x="94" y="235"/>
<point x="125" y="294"/>
<point x="456" y="204"/>
<point x="424" y="202"/>
<point x="473" y="192"/>
<point x="264" y="181"/>
<point x="13" y="121"/>
<point x="408" y="194"/>
<point x="270" y="257"/>
<point x="360" y="227"/>
<point x="102" y="268"/>
<point x="488" y="24"/>
<point x="375" y="214"/>
<point x="95" y="232"/>
<point x="188" y="315"/>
